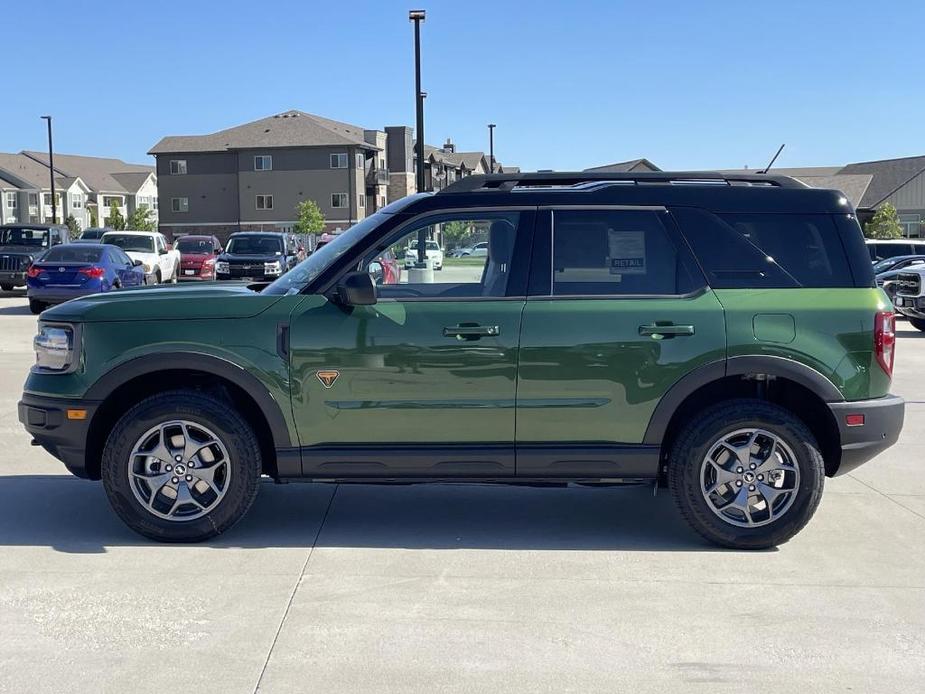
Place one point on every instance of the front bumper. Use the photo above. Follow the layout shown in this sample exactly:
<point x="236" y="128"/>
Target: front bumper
<point x="17" y="279"/>
<point x="910" y="306"/>
<point x="883" y="420"/>
<point x="66" y="439"/>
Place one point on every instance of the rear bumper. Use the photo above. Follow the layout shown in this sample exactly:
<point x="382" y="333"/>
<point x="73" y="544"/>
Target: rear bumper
<point x="883" y="420"/>
<point x="53" y="295"/>
<point x="66" y="439"/>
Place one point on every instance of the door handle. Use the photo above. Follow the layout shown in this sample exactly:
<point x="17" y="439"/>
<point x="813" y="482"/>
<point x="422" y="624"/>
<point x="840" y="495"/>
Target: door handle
<point x="471" y="331"/>
<point x="663" y="331"/>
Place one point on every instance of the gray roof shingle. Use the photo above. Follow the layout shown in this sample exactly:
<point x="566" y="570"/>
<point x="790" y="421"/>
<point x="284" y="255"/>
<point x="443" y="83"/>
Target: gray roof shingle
<point x="289" y="129"/>
<point x="888" y="176"/>
<point x="96" y="172"/>
<point x="641" y="164"/>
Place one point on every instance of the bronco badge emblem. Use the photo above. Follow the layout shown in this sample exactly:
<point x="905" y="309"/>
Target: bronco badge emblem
<point x="327" y="378"/>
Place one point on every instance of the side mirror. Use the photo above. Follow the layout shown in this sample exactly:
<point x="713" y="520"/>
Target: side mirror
<point x="357" y="289"/>
<point x="217" y="251"/>
<point x="162" y="251"/>
<point x="137" y="263"/>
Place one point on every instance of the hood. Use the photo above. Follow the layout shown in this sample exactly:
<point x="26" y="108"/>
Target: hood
<point x="165" y="302"/>
<point x="22" y="250"/>
<point x="139" y="255"/>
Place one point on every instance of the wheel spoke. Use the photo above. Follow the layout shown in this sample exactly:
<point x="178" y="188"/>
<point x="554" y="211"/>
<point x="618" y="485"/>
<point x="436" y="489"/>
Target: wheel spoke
<point x="183" y="497"/>
<point x="723" y="476"/>
<point x="207" y="475"/>
<point x="155" y="483"/>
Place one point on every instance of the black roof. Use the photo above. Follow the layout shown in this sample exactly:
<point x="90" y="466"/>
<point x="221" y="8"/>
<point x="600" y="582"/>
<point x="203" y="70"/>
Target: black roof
<point x="720" y="192"/>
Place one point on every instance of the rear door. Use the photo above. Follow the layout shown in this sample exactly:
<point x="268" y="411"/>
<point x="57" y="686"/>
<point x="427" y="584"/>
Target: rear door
<point x="617" y="313"/>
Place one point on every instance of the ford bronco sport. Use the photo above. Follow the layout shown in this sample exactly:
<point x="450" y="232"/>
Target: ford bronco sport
<point x="720" y="334"/>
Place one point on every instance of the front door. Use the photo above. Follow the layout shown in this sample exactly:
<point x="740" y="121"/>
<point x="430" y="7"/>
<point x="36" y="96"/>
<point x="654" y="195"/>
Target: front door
<point x="617" y="313"/>
<point x="423" y="382"/>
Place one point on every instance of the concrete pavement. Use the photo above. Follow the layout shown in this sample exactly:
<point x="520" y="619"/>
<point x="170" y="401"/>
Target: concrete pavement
<point x="458" y="588"/>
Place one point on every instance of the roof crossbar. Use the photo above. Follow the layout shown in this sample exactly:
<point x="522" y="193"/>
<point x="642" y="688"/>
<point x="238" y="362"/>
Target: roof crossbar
<point x="580" y="181"/>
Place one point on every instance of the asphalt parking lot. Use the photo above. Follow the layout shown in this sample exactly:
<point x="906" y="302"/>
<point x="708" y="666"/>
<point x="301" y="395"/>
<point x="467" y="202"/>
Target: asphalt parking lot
<point x="458" y="588"/>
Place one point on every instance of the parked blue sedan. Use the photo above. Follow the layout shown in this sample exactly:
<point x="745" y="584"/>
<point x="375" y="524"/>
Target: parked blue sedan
<point x="72" y="270"/>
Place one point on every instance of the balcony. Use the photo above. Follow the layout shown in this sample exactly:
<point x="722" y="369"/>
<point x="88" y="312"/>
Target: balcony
<point x="377" y="177"/>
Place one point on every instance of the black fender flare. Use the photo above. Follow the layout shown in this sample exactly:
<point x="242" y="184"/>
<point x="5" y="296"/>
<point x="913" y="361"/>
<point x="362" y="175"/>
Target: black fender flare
<point x="735" y="366"/>
<point x="206" y="363"/>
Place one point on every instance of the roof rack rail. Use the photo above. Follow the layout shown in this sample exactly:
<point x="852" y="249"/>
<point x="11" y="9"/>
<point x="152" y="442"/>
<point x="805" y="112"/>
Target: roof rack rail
<point x="584" y="181"/>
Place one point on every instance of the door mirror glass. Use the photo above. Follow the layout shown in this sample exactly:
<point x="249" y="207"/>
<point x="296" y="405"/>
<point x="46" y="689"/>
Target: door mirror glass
<point x="137" y="263"/>
<point x="162" y="251"/>
<point x="357" y="289"/>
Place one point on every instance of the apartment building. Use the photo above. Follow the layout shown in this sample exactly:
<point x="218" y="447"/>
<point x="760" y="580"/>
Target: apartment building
<point x="253" y="176"/>
<point x="85" y="188"/>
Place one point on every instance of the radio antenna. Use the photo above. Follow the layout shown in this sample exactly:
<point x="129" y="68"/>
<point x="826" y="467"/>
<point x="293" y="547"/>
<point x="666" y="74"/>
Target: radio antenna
<point x="773" y="159"/>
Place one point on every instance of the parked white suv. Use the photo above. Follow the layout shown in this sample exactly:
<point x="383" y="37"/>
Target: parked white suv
<point x="150" y="247"/>
<point x="909" y="296"/>
<point x="433" y="251"/>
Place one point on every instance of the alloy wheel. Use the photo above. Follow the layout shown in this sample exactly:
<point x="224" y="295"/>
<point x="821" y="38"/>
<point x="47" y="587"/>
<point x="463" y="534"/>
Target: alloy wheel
<point x="749" y="478"/>
<point x="179" y="470"/>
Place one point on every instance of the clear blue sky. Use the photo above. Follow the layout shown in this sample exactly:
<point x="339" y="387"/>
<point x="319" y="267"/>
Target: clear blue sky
<point x="570" y="84"/>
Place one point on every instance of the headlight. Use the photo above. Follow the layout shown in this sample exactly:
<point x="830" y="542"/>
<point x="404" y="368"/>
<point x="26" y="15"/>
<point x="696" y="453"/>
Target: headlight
<point x="54" y="348"/>
<point x="221" y="267"/>
<point x="273" y="268"/>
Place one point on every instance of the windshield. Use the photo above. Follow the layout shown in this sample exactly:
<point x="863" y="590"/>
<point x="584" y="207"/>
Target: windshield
<point x="255" y="245"/>
<point x="189" y="245"/>
<point x="296" y="279"/>
<point x="93" y="234"/>
<point x="128" y="242"/>
<point x="22" y="236"/>
<point x="73" y="253"/>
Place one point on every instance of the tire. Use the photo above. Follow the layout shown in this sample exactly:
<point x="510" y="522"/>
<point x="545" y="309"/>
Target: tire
<point x="175" y="276"/>
<point x="6" y="287"/>
<point x="918" y="323"/>
<point x="690" y="475"/>
<point x="238" y="467"/>
<point x="36" y="306"/>
<point x="156" y="277"/>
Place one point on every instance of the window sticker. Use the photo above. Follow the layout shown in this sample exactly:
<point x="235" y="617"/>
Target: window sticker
<point x="627" y="252"/>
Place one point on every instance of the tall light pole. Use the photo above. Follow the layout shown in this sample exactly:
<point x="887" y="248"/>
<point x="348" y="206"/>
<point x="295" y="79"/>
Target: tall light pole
<point x="491" y="146"/>
<point x="417" y="16"/>
<point x="51" y="173"/>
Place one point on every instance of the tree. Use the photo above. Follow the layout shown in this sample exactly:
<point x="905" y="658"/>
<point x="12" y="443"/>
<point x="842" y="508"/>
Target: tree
<point x="115" y="220"/>
<point x="454" y="233"/>
<point x="73" y="225"/>
<point x="884" y="224"/>
<point x="309" y="218"/>
<point x="141" y="219"/>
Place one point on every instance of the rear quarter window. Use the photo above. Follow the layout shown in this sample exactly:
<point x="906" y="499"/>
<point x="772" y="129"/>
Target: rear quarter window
<point x="746" y="250"/>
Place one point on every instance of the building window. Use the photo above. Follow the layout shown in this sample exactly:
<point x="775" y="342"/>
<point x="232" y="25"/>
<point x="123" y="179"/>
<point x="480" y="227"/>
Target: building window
<point x="110" y="200"/>
<point x="362" y="201"/>
<point x="33" y="199"/>
<point x="361" y="160"/>
<point x="381" y="162"/>
<point x="339" y="161"/>
<point x="76" y="202"/>
<point x="179" y="204"/>
<point x="264" y="202"/>
<point x="263" y="162"/>
<point x="46" y="199"/>
<point x="339" y="200"/>
<point x="177" y="167"/>
<point x="11" y="201"/>
<point x="154" y="203"/>
<point x="911" y="224"/>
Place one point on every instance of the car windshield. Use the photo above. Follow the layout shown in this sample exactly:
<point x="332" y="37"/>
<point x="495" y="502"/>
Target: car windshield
<point x="24" y="236"/>
<point x="190" y="245"/>
<point x="73" y="253"/>
<point x="296" y="279"/>
<point x="130" y="242"/>
<point x="255" y="245"/>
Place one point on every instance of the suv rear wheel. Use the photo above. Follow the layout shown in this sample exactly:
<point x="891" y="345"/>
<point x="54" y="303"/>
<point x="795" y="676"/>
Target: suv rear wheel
<point x="746" y="474"/>
<point x="181" y="466"/>
<point x="917" y="323"/>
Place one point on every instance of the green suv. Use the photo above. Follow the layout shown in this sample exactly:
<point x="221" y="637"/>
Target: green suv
<point x="719" y="334"/>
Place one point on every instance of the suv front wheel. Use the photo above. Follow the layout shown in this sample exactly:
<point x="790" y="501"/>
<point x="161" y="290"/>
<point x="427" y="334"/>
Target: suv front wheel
<point x="181" y="466"/>
<point x="746" y="474"/>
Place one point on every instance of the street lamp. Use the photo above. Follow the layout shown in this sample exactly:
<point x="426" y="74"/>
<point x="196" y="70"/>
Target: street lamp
<point x="51" y="173"/>
<point x="491" y="146"/>
<point x="416" y="17"/>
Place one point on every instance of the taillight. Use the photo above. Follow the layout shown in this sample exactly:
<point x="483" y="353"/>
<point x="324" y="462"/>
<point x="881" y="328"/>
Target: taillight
<point x="885" y="340"/>
<point x="94" y="272"/>
<point x="34" y="271"/>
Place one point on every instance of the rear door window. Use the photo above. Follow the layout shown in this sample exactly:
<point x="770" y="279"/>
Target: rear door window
<point x="616" y="252"/>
